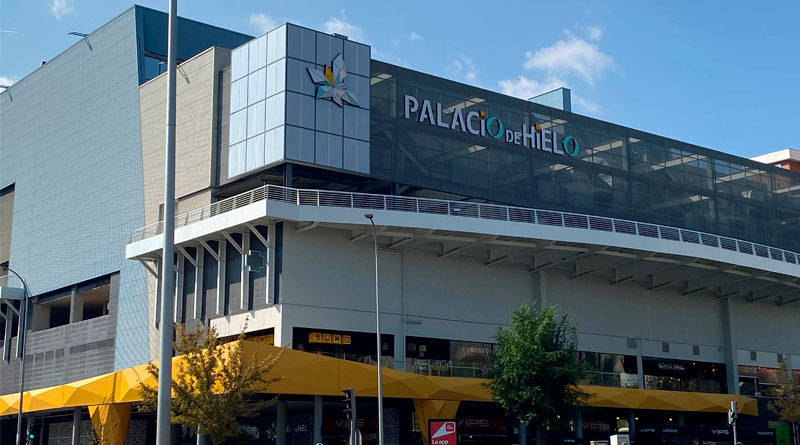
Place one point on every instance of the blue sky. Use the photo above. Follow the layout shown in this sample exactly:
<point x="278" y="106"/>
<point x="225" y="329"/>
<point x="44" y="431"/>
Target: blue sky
<point x="720" y="74"/>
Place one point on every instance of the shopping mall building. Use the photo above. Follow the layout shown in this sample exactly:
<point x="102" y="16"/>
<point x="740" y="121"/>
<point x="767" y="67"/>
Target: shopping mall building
<point x="678" y="263"/>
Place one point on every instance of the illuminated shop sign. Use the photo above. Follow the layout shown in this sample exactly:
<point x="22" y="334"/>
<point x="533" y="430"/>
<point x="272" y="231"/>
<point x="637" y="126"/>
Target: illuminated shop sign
<point x="479" y="123"/>
<point x="328" y="338"/>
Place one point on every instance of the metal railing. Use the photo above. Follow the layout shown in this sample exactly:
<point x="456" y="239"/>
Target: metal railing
<point x="493" y="212"/>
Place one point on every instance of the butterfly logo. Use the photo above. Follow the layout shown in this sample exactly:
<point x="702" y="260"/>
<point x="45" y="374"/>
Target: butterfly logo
<point x="330" y="83"/>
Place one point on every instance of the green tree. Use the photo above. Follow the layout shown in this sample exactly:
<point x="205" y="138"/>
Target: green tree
<point x="535" y="369"/>
<point x="214" y="384"/>
<point x="787" y="406"/>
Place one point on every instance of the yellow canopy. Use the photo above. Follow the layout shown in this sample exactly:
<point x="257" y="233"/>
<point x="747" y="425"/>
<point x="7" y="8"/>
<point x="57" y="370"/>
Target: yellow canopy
<point x="311" y="374"/>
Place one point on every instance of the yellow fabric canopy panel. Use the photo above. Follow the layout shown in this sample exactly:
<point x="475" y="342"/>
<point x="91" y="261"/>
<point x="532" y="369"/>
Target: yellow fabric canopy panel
<point x="311" y="374"/>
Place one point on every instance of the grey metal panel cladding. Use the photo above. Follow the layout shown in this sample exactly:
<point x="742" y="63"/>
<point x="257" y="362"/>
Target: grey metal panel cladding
<point x="71" y="135"/>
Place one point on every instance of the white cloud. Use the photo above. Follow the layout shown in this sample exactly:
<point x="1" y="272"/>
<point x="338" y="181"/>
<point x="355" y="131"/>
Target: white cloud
<point x="339" y="26"/>
<point x="585" y="104"/>
<point x="60" y="8"/>
<point x="414" y="36"/>
<point x="571" y="56"/>
<point x="595" y="32"/>
<point x="465" y="68"/>
<point x="262" y="22"/>
<point x="525" y="88"/>
<point x="8" y="80"/>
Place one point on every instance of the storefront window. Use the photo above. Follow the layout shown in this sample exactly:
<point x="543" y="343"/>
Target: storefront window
<point x="348" y="345"/>
<point x="680" y="375"/>
<point x="611" y="369"/>
<point x="761" y="381"/>
<point x="450" y="358"/>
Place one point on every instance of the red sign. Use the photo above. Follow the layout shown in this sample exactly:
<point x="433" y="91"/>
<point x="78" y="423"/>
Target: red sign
<point x="443" y="432"/>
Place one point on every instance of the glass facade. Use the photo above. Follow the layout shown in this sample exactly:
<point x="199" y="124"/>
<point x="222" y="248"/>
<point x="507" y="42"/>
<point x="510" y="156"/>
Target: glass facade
<point x="449" y="358"/>
<point x="681" y="375"/>
<point x="617" y="171"/>
<point x="274" y="112"/>
<point x="616" y="370"/>
<point x="257" y="101"/>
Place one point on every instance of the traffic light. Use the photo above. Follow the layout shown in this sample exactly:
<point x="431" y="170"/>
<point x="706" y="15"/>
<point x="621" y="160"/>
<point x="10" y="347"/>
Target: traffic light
<point x="349" y="403"/>
<point x="29" y="435"/>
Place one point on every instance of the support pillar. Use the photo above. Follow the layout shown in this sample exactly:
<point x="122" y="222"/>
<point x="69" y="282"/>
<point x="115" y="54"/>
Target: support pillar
<point x="540" y="289"/>
<point x="280" y="423"/>
<point x="76" y="425"/>
<point x="433" y="409"/>
<point x="317" y="419"/>
<point x="75" y="306"/>
<point x="523" y="433"/>
<point x="579" y="425"/>
<point x="639" y="363"/>
<point x="244" y="302"/>
<point x="731" y="353"/>
<point x="199" y="293"/>
<point x="222" y="283"/>
<point x="180" y="298"/>
<point x="111" y="421"/>
<point x="632" y="425"/>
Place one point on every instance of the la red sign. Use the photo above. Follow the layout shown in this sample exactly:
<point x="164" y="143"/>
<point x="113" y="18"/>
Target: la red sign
<point x="443" y="432"/>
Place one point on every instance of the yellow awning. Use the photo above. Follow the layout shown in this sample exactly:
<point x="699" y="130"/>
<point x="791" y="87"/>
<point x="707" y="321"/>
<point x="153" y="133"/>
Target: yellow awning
<point x="311" y="374"/>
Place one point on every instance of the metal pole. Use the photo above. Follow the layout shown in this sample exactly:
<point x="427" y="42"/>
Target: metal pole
<point x="377" y="331"/>
<point x="23" y="327"/>
<point x="163" y="414"/>
<point x="735" y="417"/>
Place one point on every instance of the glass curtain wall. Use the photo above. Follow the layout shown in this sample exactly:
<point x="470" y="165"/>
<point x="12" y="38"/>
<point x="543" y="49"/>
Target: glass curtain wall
<point x="618" y="172"/>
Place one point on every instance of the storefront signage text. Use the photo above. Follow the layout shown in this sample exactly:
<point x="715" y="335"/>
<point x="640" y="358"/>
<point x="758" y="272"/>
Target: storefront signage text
<point x="334" y="339"/>
<point x="479" y="124"/>
<point x="671" y="366"/>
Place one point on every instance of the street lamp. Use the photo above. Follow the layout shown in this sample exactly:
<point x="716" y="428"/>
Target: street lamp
<point x="369" y="216"/>
<point x="9" y="294"/>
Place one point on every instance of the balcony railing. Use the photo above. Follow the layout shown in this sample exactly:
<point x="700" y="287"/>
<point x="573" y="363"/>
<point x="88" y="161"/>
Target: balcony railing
<point x="493" y="212"/>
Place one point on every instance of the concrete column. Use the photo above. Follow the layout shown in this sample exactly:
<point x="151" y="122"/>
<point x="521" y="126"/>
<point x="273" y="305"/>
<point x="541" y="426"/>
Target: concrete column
<point x="244" y="302"/>
<point x="75" y="306"/>
<point x="632" y="425"/>
<point x="317" y="419"/>
<point x="523" y="433"/>
<point x="540" y="289"/>
<point x="731" y="354"/>
<point x="157" y="311"/>
<point x="280" y="423"/>
<point x="222" y="283"/>
<point x="76" y="425"/>
<point x="7" y="339"/>
<point x="270" y="275"/>
<point x="180" y="298"/>
<point x="639" y="363"/>
<point x="680" y="419"/>
<point x="579" y="425"/>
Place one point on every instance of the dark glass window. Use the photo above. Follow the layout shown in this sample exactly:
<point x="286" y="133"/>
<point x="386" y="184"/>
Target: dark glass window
<point x="617" y="172"/>
<point x="680" y="375"/>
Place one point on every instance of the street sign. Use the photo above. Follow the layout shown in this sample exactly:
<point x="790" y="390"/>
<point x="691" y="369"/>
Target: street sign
<point x="443" y="432"/>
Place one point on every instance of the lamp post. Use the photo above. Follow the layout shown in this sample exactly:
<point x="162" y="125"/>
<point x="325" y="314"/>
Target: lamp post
<point x="164" y="407"/>
<point x="23" y="326"/>
<point x="369" y="216"/>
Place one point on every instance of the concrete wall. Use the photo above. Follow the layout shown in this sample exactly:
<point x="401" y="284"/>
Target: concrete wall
<point x="195" y="146"/>
<point x="328" y="283"/>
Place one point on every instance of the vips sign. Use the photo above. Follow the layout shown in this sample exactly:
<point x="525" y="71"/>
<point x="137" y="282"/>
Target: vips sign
<point x="442" y="432"/>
